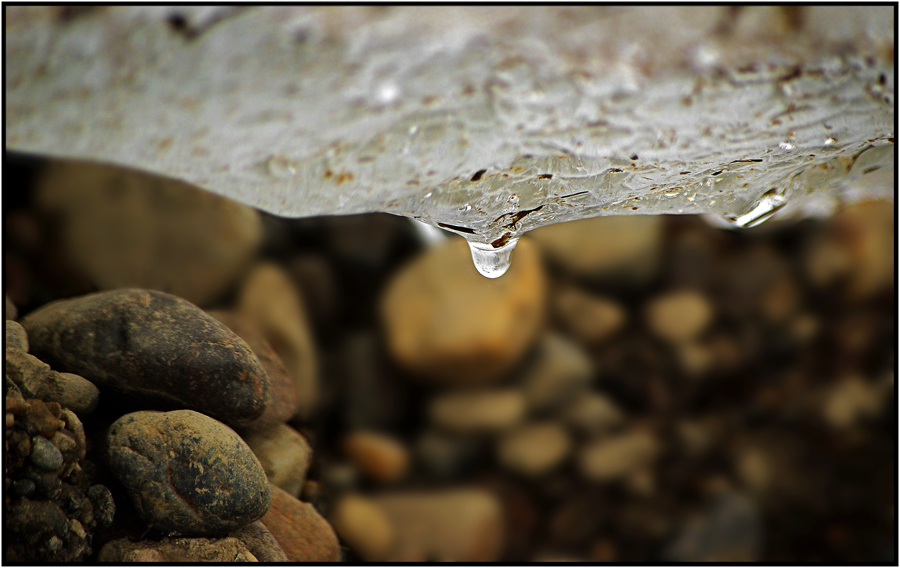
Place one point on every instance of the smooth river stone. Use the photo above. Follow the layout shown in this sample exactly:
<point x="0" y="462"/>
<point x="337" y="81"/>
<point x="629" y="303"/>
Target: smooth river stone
<point x="187" y="473"/>
<point x="149" y="344"/>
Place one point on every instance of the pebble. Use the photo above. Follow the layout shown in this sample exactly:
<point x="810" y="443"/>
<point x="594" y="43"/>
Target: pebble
<point x="866" y="231"/>
<point x="260" y="542"/>
<point x="282" y="404"/>
<point x="39" y="381"/>
<point x="187" y="473"/>
<point x="534" y="449"/>
<point x="10" y="309"/>
<point x="380" y="457"/>
<point x="44" y="455"/>
<point x="679" y="316"/>
<point x="126" y="229"/>
<point x="16" y="338"/>
<point x="364" y="527"/>
<point x="729" y="530"/>
<point x="300" y="530"/>
<point x="617" y="250"/>
<point x="43" y="417"/>
<point x="152" y="345"/>
<point x="447" y="525"/>
<point x="852" y="400"/>
<point x="284" y="454"/>
<point x="270" y="301"/>
<point x="615" y="457"/>
<point x="588" y="318"/>
<point x="593" y="413"/>
<point x="446" y="323"/>
<point x="559" y="371"/>
<point x="171" y="550"/>
<point x="479" y="411"/>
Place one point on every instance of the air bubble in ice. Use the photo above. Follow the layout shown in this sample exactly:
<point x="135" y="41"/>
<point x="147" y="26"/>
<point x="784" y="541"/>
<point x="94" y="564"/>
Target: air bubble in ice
<point x="761" y="211"/>
<point x="281" y="166"/>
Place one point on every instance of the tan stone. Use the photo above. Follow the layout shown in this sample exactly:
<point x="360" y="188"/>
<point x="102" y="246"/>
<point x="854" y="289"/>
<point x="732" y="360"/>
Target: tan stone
<point x="227" y="550"/>
<point x="624" y="249"/>
<point x="534" y="449"/>
<point x="590" y="319"/>
<point x="364" y="527"/>
<point x="447" y="323"/>
<point x="478" y="411"/>
<point x="852" y="400"/>
<point x="300" y="531"/>
<point x="378" y="456"/>
<point x="679" y="316"/>
<point x="459" y="525"/>
<point x="284" y="454"/>
<point x="269" y="300"/>
<point x="612" y="458"/>
<point x="127" y="229"/>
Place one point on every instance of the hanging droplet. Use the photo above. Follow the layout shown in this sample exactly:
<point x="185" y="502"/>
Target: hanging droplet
<point x="491" y="261"/>
<point x="761" y="211"/>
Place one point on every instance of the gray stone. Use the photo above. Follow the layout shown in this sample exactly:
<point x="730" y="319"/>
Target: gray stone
<point x="44" y="454"/>
<point x="260" y="542"/>
<point x="152" y="345"/>
<point x="16" y="338"/>
<point x="187" y="473"/>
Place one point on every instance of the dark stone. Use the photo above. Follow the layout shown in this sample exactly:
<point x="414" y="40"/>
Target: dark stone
<point x="730" y="530"/>
<point x="33" y="531"/>
<point x="150" y="344"/>
<point x="187" y="473"/>
<point x="103" y="507"/>
<point x="22" y="487"/>
<point x="45" y="455"/>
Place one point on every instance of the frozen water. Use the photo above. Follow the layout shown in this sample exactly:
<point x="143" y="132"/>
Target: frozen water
<point x="482" y="120"/>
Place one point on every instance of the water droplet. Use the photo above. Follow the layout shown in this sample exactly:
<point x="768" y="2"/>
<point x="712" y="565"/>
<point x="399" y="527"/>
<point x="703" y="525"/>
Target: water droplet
<point x="761" y="211"/>
<point x="492" y="262"/>
<point x="428" y="195"/>
<point x="281" y="166"/>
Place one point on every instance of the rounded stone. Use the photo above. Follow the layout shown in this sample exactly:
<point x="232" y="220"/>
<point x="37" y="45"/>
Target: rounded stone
<point x="16" y="338"/>
<point x="534" y="449"/>
<point x="380" y="457"/>
<point x="284" y="454"/>
<point x="187" y="473"/>
<point x="44" y="454"/>
<point x="679" y="316"/>
<point x="590" y="319"/>
<point x="617" y="250"/>
<point x="127" y="229"/>
<point x="616" y="457"/>
<point x="270" y="301"/>
<point x="450" y="525"/>
<point x="154" y="345"/>
<point x="300" y="530"/>
<point x="364" y="526"/>
<point x="478" y="411"/>
<point x="176" y="550"/>
<point x="560" y="371"/>
<point x="446" y="323"/>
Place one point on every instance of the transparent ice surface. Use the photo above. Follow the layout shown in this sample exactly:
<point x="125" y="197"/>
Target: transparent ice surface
<point x="486" y="121"/>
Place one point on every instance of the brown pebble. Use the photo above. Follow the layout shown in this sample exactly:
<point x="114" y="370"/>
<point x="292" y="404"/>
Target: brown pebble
<point x="42" y="419"/>
<point x="10" y="420"/>
<point x="364" y="526"/>
<point x="458" y="525"/>
<point x="17" y="405"/>
<point x="300" y="530"/>
<point x="378" y="456"/>
<point x="10" y="309"/>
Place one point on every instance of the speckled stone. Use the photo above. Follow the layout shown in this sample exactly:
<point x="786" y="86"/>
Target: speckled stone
<point x="152" y="345"/>
<point x="187" y="473"/>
